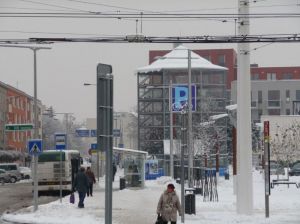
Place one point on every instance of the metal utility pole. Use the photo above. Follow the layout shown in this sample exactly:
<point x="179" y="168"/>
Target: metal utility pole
<point x="183" y="149"/>
<point x="98" y="165"/>
<point x="66" y="148"/>
<point x="105" y="120"/>
<point x="171" y="130"/>
<point x="267" y="166"/>
<point x="190" y="124"/>
<point x="244" y="149"/>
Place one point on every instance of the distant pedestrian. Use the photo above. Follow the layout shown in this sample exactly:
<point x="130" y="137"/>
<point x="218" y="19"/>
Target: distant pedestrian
<point x="168" y="205"/>
<point x="114" y="171"/>
<point x="92" y="181"/>
<point x="81" y="184"/>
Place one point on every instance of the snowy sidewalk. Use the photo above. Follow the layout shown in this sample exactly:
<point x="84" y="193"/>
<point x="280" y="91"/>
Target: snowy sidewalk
<point x="139" y="206"/>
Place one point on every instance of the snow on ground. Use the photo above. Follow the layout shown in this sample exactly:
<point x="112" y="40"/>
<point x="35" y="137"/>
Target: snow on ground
<point x="133" y="206"/>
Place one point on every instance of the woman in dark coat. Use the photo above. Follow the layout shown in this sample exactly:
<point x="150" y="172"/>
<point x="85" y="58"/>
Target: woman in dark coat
<point x="81" y="184"/>
<point x="92" y="181"/>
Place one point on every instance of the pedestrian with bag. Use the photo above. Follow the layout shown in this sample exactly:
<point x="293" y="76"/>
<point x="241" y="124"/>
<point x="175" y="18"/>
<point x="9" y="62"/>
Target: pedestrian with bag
<point x="168" y="205"/>
<point x="92" y="181"/>
<point x="81" y="184"/>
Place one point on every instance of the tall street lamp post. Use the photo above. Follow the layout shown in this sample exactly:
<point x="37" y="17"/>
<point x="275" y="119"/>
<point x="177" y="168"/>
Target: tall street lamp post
<point x="98" y="173"/>
<point x="35" y="158"/>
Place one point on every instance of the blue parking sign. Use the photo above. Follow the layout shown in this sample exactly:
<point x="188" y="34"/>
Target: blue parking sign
<point x="180" y="95"/>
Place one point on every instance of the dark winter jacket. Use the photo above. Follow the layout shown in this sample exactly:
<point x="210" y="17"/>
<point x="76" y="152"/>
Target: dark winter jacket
<point x="168" y="205"/>
<point x="81" y="182"/>
<point x="90" y="176"/>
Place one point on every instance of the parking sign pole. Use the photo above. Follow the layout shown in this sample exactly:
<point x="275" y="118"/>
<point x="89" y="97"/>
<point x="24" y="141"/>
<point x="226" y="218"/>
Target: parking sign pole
<point x="60" y="177"/>
<point x="267" y="166"/>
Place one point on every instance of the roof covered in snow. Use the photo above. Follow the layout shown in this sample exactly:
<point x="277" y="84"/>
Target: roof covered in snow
<point x="178" y="59"/>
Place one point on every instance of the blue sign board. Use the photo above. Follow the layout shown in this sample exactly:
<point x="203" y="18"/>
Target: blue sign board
<point x="35" y="147"/>
<point x="93" y="133"/>
<point x="116" y="132"/>
<point x="60" y="141"/>
<point x="180" y="95"/>
<point x="82" y="133"/>
<point x="94" y="146"/>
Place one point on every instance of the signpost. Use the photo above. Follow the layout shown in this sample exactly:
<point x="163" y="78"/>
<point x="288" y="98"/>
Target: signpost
<point x="267" y="164"/>
<point x="18" y="127"/>
<point x="60" y="144"/>
<point x="35" y="147"/>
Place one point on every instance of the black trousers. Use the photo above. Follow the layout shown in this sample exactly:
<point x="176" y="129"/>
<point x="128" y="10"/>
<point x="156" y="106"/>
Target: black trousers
<point x="90" y="190"/>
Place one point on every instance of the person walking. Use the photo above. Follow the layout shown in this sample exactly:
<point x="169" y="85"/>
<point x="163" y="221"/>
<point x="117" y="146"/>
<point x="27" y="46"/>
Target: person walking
<point x="114" y="171"/>
<point x="92" y="181"/>
<point x="81" y="184"/>
<point x="168" y="205"/>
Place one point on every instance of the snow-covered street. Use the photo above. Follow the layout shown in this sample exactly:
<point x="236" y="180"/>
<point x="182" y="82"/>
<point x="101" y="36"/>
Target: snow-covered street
<point x="139" y="206"/>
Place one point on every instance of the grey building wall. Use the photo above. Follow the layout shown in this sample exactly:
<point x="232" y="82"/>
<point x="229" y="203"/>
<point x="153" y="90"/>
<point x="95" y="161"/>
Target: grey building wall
<point x="272" y="97"/>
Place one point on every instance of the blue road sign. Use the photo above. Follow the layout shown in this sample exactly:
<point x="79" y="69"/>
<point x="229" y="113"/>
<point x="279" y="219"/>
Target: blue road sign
<point x="35" y="147"/>
<point x="94" y="146"/>
<point x="180" y="95"/>
<point x="82" y="133"/>
<point x="93" y="133"/>
<point x="60" y="141"/>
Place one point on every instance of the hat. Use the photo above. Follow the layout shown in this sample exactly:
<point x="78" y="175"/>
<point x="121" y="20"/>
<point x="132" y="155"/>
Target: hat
<point x="171" y="186"/>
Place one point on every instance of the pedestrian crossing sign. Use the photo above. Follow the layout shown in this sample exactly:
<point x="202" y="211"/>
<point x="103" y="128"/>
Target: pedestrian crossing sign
<point x="35" y="147"/>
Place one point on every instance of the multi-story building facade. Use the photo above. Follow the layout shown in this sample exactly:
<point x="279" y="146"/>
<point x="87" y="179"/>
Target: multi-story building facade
<point x="154" y="96"/>
<point x="17" y="108"/>
<point x="272" y="97"/>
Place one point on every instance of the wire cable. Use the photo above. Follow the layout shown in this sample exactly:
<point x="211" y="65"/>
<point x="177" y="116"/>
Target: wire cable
<point x="53" y="5"/>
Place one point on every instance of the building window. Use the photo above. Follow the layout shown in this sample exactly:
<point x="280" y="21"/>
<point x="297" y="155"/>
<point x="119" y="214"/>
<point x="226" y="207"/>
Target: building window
<point x="221" y="59"/>
<point x="298" y="95"/>
<point x="271" y="76"/>
<point x="255" y="76"/>
<point x="274" y="98"/>
<point x="207" y="57"/>
<point x="288" y="112"/>
<point x="253" y="102"/>
<point x="259" y="96"/>
<point x="274" y="111"/>
<point x="287" y="93"/>
<point x="287" y="76"/>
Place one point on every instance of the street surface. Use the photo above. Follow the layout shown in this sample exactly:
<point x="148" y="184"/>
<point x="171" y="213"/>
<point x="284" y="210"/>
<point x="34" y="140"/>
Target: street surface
<point x="17" y="196"/>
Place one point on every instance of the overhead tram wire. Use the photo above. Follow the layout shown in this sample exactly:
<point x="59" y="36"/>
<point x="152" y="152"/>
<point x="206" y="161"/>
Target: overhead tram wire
<point x="53" y="5"/>
<point x="289" y="38"/>
<point x="152" y="15"/>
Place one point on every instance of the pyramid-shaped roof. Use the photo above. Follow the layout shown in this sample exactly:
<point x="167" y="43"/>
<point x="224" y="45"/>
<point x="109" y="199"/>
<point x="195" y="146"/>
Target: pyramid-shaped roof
<point x="178" y="59"/>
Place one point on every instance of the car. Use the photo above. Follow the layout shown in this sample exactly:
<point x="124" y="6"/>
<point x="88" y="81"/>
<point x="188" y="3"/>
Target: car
<point x="276" y="168"/>
<point x="25" y="172"/>
<point x="295" y="169"/>
<point x="4" y="177"/>
<point x="13" y="170"/>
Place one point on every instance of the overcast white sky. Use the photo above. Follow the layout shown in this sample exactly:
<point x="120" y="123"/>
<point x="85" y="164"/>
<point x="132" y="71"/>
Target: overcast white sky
<point x="63" y="69"/>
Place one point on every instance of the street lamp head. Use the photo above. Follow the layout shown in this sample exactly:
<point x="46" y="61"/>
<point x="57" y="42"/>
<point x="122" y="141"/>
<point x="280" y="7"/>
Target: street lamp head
<point x="89" y="84"/>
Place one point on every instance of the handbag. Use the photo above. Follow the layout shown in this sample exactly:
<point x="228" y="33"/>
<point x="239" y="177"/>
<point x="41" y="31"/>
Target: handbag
<point x="72" y="198"/>
<point x="159" y="220"/>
